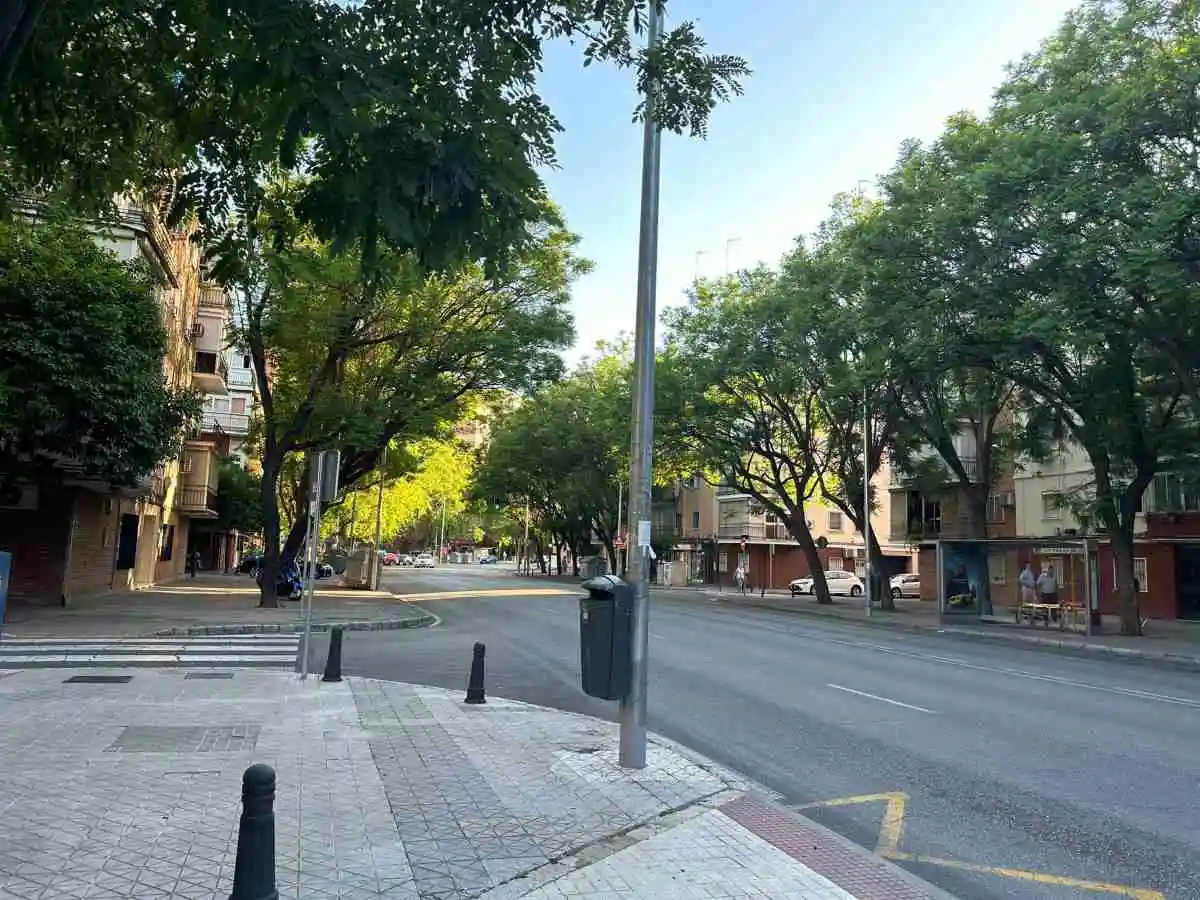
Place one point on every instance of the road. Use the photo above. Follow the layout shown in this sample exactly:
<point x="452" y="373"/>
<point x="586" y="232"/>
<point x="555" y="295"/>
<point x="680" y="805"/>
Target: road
<point x="992" y="771"/>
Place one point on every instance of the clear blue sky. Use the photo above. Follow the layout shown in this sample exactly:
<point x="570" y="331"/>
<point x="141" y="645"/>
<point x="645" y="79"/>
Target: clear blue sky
<point x="837" y="85"/>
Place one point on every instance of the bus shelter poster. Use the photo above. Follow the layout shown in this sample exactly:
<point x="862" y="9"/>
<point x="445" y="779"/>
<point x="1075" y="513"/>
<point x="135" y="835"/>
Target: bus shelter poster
<point x="963" y="571"/>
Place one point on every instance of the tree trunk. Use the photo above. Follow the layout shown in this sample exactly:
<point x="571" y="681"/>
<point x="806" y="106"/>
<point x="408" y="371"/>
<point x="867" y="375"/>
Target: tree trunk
<point x="815" y="567"/>
<point x="575" y="560"/>
<point x="1122" y="549"/>
<point x="875" y="564"/>
<point x="977" y="503"/>
<point x="268" y="597"/>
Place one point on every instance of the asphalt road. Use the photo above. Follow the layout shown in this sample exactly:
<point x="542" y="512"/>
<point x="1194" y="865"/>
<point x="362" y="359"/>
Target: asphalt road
<point x="1015" y="770"/>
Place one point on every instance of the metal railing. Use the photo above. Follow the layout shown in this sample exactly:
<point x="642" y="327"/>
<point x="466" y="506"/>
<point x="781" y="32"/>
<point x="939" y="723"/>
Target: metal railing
<point x="227" y="423"/>
<point x="754" y="531"/>
<point x="970" y="466"/>
<point x="241" y="377"/>
<point x="206" y="362"/>
<point x="212" y="297"/>
<point x="196" y="497"/>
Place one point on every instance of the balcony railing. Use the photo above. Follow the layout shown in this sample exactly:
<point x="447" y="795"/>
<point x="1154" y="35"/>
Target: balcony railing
<point x="211" y="296"/>
<point x="196" y="499"/>
<point x="210" y="372"/>
<point x="226" y="423"/>
<point x="754" y="531"/>
<point x="939" y="467"/>
<point x="241" y="377"/>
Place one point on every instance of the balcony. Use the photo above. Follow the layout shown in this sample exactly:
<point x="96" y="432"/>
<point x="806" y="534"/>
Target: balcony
<point x="933" y="468"/>
<point x="234" y="424"/>
<point x="196" y="501"/>
<point x="726" y="490"/>
<point x="212" y="297"/>
<point x="210" y="372"/>
<point x="754" y="531"/>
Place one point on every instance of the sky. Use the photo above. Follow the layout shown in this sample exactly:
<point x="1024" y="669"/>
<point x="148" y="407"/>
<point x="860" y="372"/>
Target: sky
<point x="837" y="85"/>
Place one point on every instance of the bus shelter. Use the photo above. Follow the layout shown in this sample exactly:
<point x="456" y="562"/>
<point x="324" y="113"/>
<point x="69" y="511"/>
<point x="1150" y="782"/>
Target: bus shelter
<point x="1030" y="582"/>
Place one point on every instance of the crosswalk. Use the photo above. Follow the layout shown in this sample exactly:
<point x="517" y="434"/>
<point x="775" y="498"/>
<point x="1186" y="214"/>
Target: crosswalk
<point x="271" y="651"/>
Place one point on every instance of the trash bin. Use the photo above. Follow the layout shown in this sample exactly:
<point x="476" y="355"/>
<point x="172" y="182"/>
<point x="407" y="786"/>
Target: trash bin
<point x="606" y="637"/>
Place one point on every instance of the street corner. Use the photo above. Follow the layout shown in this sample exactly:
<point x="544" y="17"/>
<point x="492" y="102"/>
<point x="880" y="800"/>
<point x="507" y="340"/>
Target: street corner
<point x="888" y="811"/>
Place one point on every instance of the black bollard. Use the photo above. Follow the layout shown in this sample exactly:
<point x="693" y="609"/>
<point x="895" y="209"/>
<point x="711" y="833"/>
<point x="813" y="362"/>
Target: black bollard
<point x="475" y="685"/>
<point x="254" y="870"/>
<point x="333" y="662"/>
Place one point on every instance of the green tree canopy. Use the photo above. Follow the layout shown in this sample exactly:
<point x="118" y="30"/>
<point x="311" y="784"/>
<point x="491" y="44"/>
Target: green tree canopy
<point x="82" y="382"/>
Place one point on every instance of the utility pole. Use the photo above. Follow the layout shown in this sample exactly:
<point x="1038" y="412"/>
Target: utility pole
<point x="528" y="568"/>
<point x="632" y="753"/>
<point x="620" y="513"/>
<point x="311" y="535"/>
<point x="378" y="565"/>
<point x="442" y="539"/>
<point x="866" y="529"/>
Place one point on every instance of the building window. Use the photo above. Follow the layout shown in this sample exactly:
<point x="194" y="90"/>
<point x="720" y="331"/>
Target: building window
<point x="246" y="361"/>
<point x="239" y="405"/>
<point x="835" y="520"/>
<point x="998" y="568"/>
<point x="695" y="518"/>
<point x="996" y="508"/>
<point x="835" y="564"/>
<point x="1051" y="505"/>
<point x="771" y="518"/>
<point x="1141" y="574"/>
<point x="166" y="542"/>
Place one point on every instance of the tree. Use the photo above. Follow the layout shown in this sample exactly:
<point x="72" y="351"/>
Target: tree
<point x="737" y="396"/>
<point x="420" y="122"/>
<point x="239" y="497"/>
<point x="363" y="362"/>
<point x="562" y="453"/>
<point x="1087" y="198"/>
<point x="82" y="382"/>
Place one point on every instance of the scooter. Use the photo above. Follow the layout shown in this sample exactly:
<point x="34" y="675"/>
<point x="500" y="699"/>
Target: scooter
<point x="289" y="585"/>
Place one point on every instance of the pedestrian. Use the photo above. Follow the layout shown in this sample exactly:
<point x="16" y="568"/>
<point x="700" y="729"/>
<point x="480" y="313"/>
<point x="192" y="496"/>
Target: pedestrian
<point x="739" y="577"/>
<point x="193" y="563"/>
<point x="1047" y="587"/>
<point x="1026" y="580"/>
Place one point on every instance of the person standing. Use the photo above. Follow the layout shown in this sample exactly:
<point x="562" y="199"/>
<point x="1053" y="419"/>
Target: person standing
<point x="1027" y="581"/>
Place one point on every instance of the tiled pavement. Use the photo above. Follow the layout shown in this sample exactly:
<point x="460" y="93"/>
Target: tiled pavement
<point x="130" y="789"/>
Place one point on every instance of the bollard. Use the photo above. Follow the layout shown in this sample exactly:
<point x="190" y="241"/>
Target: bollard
<point x="762" y="591"/>
<point x="254" y="870"/>
<point x="333" y="662"/>
<point x="475" y="685"/>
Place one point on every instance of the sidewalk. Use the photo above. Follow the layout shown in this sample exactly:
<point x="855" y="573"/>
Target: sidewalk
<point x="1165" y="641"/>
<point x="208" y="605"/>
<point x="119" y="791"/>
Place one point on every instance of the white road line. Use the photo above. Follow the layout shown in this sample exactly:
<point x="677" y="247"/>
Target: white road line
<point x="839" y="687"/>
<point x="1020" y="673"/>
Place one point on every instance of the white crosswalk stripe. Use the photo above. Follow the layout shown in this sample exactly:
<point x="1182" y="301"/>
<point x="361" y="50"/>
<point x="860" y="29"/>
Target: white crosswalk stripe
<point x="260" y="650"/>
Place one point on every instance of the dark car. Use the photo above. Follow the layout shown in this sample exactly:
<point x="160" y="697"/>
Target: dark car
<point x="249" y="564"/>
<point x="487" y="560"/>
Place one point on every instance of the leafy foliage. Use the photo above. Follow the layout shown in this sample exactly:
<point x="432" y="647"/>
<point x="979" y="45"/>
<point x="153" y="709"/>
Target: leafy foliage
<point x="82" y="383"/>
<point x="239" y="497"/>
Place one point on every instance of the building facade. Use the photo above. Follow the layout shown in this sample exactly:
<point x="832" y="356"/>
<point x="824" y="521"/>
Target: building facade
<point x="71" y="537"/>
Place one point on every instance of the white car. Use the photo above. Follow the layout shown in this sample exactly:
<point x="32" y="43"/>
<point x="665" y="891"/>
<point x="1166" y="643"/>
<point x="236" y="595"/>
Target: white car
<point x="840" y="584"/>
<point x="424" y="561"/>
<point x="906" y="585"/>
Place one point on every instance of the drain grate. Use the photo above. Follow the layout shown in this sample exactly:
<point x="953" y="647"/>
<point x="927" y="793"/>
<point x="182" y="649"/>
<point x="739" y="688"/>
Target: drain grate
<point x="99" y="679"/>
<point x="207" y="675"/>
<point x="185" y="739"/>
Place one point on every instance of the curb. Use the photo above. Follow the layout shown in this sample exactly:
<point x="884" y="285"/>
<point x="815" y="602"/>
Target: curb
<point x="1127" y="653"/>
<point x="422" y="621"/>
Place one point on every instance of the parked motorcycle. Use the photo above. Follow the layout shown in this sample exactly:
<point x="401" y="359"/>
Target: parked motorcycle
<point x="289" y="585"/>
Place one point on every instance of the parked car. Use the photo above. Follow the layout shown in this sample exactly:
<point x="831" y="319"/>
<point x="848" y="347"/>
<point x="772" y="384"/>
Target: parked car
<point x="841" y="583"/>
<point x="249" y="564"/>
<point x="387" y="557"/>
<point x="404" y="559"/>
<point x="487" y="560"/>
<point x="906" y="585"/>
<point x="424" y="561"/>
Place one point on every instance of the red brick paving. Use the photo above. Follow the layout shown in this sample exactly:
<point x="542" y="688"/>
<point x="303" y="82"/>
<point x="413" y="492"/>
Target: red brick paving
<point x="852" y="868"/>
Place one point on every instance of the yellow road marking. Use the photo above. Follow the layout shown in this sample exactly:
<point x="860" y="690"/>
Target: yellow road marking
<point x="1037" y="877"/>
<point x="891" y="828"/>
<point x="504" y="592"/>
<point x="891" y="832"/>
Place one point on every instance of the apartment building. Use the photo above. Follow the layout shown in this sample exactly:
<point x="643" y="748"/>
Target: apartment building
<point x="72" y="537"/>
<point x="1166" y="566"/>
<point x="720" y="526"/>
<point x="935" y="508"/>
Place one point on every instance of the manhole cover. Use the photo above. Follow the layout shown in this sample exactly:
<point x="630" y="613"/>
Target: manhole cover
<point x="210" y="675"/>
<point x="99" y="679"/>
<point x="185" y="739"/>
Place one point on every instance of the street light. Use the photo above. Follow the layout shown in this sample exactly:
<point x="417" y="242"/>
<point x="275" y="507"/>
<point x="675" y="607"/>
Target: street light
<point x="632" y="753"/>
